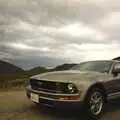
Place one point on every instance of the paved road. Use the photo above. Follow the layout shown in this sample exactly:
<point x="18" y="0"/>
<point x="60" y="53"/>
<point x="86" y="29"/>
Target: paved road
<point x="15" y="106"/>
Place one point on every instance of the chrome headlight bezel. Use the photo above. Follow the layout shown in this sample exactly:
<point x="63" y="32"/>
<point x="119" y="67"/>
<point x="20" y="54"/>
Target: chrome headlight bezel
<point x="71" y="88"/>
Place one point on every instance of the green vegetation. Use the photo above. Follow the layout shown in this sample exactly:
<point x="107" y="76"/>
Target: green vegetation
<point x="9" y="81"/>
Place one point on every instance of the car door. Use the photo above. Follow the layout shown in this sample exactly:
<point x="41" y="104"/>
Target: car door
<point x="116" y="78"/>
<point x="113" y="85"/>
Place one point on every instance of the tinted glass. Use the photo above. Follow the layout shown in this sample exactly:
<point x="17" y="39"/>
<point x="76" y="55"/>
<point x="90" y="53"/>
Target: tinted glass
<point x="98" y="66"/>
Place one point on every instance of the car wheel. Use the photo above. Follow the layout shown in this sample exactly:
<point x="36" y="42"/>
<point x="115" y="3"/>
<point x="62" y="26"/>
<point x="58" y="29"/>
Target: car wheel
<point x="94" y="103"/>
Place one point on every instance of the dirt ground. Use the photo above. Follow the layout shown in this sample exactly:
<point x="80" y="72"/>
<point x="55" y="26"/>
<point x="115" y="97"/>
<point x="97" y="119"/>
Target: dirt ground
<point x="15" y="106"/>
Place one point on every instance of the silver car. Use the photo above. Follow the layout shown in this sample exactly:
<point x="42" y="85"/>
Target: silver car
<point x="89" y="85"/>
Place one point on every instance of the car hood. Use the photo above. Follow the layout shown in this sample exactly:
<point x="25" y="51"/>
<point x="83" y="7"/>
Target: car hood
<point x="70" y="76"/>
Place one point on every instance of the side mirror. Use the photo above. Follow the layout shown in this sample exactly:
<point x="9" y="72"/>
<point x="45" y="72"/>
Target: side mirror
<point x="116" y="70"/>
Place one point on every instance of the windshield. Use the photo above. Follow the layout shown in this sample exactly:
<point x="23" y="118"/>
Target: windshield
<point x="97" y="66"/>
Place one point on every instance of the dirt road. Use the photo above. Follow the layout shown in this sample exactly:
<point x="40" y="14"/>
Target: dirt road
<point x="15" y="106"/>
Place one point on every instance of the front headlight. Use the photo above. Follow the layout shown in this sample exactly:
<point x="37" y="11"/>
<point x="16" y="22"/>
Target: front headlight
<point x="71" y="88"/>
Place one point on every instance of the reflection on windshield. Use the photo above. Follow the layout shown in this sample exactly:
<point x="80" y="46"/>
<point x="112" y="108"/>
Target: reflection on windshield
<point x="98" y="66"/>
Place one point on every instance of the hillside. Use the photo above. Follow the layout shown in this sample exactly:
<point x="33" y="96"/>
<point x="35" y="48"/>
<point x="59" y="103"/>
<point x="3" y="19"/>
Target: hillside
<point x="63" y="67"/>
<point x="8" y="73"/>
<point x="7" y="68"/>
<point x="11" y="75"/>
<point x="10" y="69"/>
<point x="36" y="70"/>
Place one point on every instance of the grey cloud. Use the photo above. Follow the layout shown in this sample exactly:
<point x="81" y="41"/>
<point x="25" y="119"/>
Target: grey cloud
<point x="34" y="26"/>
<point x="52" y="12"/>
<point x="31" y="62"/>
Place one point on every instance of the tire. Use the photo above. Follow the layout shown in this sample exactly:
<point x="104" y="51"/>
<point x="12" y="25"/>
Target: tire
<point x="94" y="104"/>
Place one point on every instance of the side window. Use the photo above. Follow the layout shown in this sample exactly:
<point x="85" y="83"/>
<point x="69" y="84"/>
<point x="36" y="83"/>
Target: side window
<point x="116" y="69"/>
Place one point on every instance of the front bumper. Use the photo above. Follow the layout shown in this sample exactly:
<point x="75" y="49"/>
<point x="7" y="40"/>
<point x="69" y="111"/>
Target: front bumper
<point x="54" y="100"/>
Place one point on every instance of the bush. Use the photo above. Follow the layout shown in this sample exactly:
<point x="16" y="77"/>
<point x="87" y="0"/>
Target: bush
<point x="12" y="81"/>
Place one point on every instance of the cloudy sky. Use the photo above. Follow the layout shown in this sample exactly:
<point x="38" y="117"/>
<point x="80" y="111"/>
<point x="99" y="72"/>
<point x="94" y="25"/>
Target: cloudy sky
<point x="52" y="32"/>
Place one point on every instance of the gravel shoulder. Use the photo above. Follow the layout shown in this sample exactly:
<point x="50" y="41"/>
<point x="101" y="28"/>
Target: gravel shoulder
<point x="14" y="105"/>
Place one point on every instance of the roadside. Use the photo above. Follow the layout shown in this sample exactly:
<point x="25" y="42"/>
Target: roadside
<point x="15" y="106"/>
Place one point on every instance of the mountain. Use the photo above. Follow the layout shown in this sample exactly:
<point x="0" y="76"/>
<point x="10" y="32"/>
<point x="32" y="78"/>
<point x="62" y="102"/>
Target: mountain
<point x="8" y="68"/>
<point x="36" y="70"/>
<point x="63" y="67"/>
<point x="11" y="75"/>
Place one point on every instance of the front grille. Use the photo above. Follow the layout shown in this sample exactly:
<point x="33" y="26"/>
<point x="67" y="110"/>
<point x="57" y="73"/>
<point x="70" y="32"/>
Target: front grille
<point x="48" y="86"/>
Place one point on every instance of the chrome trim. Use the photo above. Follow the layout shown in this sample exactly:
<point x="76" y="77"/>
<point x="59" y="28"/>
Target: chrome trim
<point x="113" y="95"/>
<point x="57" y="94"/>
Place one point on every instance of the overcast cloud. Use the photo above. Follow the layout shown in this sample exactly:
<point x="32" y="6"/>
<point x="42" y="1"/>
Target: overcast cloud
<point x="51" y="32"/>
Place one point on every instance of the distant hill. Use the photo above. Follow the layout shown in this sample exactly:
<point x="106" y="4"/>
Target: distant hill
<point x="8" y="68"/>
<point x="36" y="70"/>
<point x="118" y="58"/>
<point x="63" y="67"/>
<point x="11" y="75"/>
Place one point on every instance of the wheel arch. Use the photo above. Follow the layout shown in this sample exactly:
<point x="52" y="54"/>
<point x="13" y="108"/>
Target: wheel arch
<point x="99" y="86"/>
